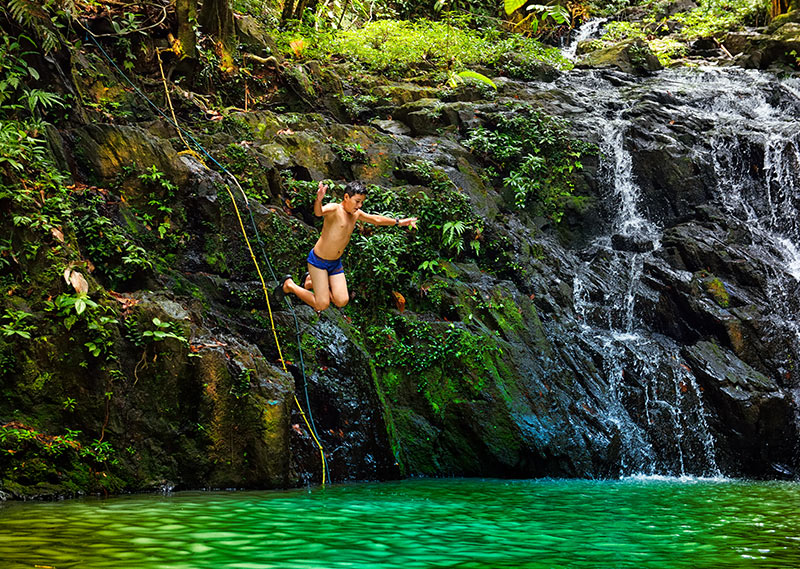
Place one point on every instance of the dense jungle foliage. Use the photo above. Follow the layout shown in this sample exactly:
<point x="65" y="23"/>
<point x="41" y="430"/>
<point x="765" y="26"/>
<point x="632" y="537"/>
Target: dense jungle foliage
<point x="73" y="245"/>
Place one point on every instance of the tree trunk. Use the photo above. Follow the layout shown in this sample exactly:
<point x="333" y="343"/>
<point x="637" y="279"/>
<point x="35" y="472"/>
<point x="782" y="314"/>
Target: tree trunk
<point x="216" y="19"/>
<point x="288" y="11"/>
<point x="186" y="11"/>
<point x="779" y="7"/>
<point x="302" y="6"/>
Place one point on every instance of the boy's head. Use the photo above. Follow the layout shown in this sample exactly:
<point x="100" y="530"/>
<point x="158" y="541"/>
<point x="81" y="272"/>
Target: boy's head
<point x="354" y="194"/>
<point x="354" y="188"/>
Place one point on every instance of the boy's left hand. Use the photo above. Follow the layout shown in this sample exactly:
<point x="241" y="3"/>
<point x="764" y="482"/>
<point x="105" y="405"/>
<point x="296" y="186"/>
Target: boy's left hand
<point x="409" y="222"/>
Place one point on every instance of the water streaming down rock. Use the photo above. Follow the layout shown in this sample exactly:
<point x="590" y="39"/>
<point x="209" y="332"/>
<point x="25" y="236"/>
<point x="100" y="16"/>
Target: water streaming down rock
<point x="728" y="213"/>
<point x="659" y="421"/>
<point x="586" y="31"/>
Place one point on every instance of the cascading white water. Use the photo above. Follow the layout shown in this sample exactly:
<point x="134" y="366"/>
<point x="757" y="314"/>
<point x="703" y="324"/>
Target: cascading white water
<point x="632" y="359"/>
<point x="770" y="203"/>
<point x="628" y="222"/>
<point x="587" y="31"/>
<point x="755" y="160"/>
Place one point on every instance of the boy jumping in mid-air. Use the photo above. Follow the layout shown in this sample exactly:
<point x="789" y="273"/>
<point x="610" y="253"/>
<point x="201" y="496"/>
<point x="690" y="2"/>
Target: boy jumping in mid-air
<point x="324" y="260"/>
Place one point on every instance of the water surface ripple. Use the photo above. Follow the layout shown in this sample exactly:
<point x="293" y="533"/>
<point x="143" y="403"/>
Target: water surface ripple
<point x="464" y="524"/>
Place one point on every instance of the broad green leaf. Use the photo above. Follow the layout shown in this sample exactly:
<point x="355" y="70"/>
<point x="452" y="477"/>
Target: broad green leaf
<point x="512" y="6"/>
<point x="477" y="76"/>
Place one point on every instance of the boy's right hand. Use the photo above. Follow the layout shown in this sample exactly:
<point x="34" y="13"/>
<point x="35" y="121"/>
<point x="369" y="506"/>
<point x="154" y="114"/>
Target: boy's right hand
<point x="321" y="189"/>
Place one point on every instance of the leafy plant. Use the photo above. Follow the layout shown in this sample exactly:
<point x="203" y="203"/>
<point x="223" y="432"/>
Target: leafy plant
<point x="538" y="13"/>
<point x="714" y="17"/>
<point x="101" y="341"/>
<point x="112" y="250"/>
<point x="15" y="71"/>
<point x="457" y="78"/>
<point x="12" y="324"/>
<point x="38" y="17"/>
<point x="451" y="234"/>
<point x="349" y="152"/>
<point x="164" y="331"/>
<point x="535" y="156"/>
<point x="396" y="48"/>
<point x="65" y="304"/>
<point x="18" y="149"/>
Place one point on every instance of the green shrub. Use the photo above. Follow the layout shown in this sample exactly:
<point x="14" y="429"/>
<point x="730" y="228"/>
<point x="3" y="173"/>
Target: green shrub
<point x="715" y="17"/>
<point x="399" y="48"/>
<point x="536" y="156"/>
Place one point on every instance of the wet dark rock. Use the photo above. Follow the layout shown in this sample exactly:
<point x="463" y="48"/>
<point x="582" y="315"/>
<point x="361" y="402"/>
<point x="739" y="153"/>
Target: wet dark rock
<point x="391" y="126"/>
<point x="254" y="36"/>
<point x="752" y="416"/>
<point x="104" y="149"/>
<point x="737" y="42"/>
<point x="707" y="48"/>
<point x="775" y="47"/>
<point x="632" y="243"/>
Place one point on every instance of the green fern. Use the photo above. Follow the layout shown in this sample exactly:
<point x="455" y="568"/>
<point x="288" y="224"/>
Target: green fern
<point x="34" y="16"/>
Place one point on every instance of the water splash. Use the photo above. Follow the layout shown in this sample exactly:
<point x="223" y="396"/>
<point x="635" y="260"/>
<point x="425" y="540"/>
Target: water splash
<point x="587" y="31"/>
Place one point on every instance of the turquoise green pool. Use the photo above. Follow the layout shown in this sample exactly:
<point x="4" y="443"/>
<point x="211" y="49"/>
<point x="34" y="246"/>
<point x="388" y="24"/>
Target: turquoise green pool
<point x="464" y="524"/>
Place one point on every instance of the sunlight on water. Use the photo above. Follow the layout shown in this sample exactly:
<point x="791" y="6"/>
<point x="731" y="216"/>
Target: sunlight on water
<point x="792" y="255"/>
<point x="465" y="524"/>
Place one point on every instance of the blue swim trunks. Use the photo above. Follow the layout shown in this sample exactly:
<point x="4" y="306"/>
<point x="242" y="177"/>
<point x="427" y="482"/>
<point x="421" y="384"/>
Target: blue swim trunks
<point x="333" y="267"/>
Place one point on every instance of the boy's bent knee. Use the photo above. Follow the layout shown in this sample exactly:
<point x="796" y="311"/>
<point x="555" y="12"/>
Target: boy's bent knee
<point x="320" y="306"/>
<point x="341" y="302"/>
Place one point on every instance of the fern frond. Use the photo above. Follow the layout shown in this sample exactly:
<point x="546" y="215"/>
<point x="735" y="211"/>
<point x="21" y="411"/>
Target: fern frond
<point x="27" y="12"/>
<point x="34" y="16"/>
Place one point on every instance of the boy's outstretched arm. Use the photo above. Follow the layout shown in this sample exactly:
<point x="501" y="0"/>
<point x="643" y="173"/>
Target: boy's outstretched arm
<point x="385" y="220"/>
<point x="319" y="209"/>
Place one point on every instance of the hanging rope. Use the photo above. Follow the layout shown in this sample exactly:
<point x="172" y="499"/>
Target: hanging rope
<point x="308" y="419"/>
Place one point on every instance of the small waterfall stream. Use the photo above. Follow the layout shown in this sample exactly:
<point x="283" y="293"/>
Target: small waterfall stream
<point x="752" y="150"/>
<point x="588" y="30"/>
<point x="634" y="360"/>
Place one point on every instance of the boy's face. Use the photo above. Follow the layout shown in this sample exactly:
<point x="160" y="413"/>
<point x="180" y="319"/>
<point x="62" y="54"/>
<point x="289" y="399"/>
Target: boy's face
<point x="352" y="204"/>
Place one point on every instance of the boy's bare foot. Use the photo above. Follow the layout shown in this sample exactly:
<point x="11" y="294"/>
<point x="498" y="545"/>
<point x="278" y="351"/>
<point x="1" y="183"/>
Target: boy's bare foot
<point x="306" y="280"/>
<point x="279" y="292"/>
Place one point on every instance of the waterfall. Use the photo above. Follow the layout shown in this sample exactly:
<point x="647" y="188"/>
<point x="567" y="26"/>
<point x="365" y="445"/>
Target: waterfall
<point x="588" y="30"/>
<point x="769" y="203"/>
<point x="748" y="154"/>
<point x="671" y="434"/>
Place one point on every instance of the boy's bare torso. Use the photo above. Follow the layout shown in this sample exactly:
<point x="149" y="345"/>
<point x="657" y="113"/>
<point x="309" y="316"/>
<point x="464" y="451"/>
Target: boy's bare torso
<point x="337" y="229"/>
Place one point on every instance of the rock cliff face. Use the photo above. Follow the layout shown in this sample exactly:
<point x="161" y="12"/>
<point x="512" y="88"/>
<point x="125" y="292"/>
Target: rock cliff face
<point x="654" y="329"/>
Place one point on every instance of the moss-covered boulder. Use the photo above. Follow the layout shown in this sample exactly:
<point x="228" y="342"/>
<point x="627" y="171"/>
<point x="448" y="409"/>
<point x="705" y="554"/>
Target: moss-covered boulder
<point x="631" y="56"/>
<point x="773" y="48"/>
<point x="104" y="151"/>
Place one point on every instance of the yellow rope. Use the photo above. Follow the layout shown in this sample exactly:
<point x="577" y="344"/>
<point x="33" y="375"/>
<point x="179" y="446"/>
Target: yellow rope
<point x="189" y="149"/>
<point x="255" y="262"/>
<point x="272" y="325"/>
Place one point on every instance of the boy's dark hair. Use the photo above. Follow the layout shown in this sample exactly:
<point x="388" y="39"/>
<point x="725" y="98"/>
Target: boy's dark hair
<point x="355" y="187"/>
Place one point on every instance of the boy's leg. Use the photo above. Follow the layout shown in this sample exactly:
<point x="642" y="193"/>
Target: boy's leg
<point x="339" y="289"/>
<point x="319" y="299"/>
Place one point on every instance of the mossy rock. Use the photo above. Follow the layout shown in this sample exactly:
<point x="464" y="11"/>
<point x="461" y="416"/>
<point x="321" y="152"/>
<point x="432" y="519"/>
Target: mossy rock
<point x="631" y="56"/>
<point x="106" y="149"/>
<point x="776" y="48"/>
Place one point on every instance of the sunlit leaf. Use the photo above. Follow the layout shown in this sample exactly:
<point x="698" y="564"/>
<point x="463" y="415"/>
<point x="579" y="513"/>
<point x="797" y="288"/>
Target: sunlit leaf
<point x="512" y="6"/>
<point x="477" y="76"/>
